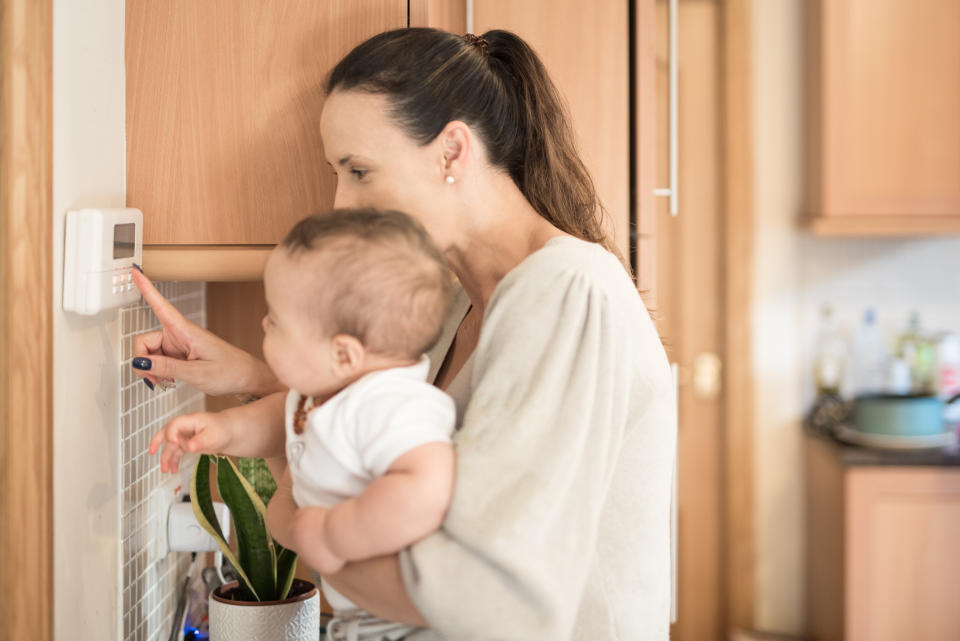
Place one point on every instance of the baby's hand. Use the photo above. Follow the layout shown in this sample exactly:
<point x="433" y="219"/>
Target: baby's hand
<point x="204" y="432"/>
<point x="310" y="541"/>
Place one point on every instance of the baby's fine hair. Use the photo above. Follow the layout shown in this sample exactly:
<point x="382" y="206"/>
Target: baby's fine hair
<point x="385" y="282"/>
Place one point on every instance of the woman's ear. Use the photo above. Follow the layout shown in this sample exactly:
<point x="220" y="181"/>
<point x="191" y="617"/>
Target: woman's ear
<point x="347" y="355"/>
<point x="456" y="145"/>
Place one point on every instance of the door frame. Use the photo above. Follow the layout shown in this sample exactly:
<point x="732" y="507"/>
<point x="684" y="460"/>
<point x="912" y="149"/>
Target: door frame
<point x="738" y="261"/>
<point x="26" y="319"/>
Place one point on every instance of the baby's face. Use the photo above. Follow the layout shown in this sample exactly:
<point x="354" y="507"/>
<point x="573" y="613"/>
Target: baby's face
<point x="295" y="348"/>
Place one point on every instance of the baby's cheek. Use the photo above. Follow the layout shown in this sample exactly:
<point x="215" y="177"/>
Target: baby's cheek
<point x="268" y="352"/>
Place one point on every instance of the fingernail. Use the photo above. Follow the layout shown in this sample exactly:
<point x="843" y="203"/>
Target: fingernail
<point x="138" y="268"/>
<point x="149" y="384"/>
<point x="142" y="363"/>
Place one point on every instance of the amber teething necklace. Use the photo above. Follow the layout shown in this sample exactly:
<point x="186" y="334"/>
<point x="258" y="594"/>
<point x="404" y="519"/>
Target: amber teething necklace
<point x="300" y="416"/>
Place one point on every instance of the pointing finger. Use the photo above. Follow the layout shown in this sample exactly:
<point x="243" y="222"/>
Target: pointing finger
<point x="166" y="313"/>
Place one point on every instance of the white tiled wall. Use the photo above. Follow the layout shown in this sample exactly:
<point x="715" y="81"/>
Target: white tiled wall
<point x="151" y="578"/>
<point x="893" y="276"/>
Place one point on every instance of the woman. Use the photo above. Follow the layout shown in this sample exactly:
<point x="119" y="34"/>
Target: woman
<point x="559" y="526"/>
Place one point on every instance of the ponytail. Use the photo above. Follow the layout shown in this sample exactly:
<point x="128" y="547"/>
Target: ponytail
<point x="498" y="86"/>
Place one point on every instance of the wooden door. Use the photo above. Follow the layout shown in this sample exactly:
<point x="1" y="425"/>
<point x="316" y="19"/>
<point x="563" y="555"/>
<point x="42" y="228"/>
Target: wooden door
<point x="688" y="307"/>
<point x="223" y="108"/>
<point x="585" y="49"/>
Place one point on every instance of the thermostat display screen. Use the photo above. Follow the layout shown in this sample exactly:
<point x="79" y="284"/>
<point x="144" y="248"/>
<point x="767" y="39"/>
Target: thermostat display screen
<point x="124" y="240"/>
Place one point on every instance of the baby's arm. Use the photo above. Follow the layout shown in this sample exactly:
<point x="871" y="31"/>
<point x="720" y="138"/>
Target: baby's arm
<point x="401" y="507"/>
<point x="251" y="430"/>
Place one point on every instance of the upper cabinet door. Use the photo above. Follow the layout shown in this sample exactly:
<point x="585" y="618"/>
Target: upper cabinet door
<point x="585" y="49"/>
<point x="884" y="108"/>
<point x="223" y="109"/>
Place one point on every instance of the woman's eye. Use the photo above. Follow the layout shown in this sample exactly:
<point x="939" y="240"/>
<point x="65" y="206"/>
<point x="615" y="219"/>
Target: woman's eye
<point x="359" y="173"/>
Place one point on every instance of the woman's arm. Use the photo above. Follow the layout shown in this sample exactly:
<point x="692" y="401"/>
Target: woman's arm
<point x="184" y="351"/>
<point x="376" y="585"/>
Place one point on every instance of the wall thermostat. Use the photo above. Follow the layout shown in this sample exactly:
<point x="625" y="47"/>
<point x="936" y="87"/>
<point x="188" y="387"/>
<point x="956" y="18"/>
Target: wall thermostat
<point x="100" y="248"/>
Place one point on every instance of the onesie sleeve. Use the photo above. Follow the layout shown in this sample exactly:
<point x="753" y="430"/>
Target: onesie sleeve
<point x="399" y="417"/>
<point x="539" y="443"/>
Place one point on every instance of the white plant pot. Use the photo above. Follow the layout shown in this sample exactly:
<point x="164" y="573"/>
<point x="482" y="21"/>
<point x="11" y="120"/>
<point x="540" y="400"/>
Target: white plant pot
<point x="293" y="619"/>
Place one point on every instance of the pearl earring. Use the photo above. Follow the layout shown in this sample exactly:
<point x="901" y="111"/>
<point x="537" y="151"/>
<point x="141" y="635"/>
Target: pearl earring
<point x="449" y="180"/>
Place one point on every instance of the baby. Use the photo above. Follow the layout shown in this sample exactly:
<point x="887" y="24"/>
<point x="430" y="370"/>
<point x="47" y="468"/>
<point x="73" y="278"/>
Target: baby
<point x="355" y="299"/>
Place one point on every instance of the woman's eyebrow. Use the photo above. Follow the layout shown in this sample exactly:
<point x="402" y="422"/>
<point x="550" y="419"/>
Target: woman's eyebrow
<point x="343" y="161"/>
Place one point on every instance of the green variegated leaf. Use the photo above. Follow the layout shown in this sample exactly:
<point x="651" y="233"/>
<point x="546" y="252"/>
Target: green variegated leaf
<point x="254" y="545"/>
<point x="255" y="470"/>
<point x="202" y="502"/>
<point x="286" y="567"/>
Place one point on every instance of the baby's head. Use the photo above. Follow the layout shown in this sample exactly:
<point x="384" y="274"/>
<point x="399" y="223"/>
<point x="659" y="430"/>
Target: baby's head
<point x="349" y="292"/>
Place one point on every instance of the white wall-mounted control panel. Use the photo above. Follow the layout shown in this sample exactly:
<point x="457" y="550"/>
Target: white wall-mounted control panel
<point x="100" y="248"/>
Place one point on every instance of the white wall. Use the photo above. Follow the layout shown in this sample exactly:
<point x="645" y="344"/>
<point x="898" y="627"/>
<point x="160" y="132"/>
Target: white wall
<point x="795" y="274"/>
<point x="88" y="170"/>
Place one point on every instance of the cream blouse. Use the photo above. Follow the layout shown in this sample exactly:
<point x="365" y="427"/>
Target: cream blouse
<point x="560" y="521"/>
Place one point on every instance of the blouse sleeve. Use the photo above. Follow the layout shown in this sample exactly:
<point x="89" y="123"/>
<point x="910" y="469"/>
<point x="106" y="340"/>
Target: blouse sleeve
<point x="538" y="446"/>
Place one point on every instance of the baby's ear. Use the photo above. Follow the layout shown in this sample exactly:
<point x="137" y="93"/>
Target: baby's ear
<point x="348" y="355"/>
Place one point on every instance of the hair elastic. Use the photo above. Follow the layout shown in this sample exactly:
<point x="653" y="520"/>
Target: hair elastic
<point x="479" y="42"/>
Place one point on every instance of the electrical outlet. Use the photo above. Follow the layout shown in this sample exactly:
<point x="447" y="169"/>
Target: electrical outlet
<point x="185" y="534"/>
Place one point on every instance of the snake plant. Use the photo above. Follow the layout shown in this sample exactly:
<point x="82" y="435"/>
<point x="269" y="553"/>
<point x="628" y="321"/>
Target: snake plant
<point x="264" y="566"/>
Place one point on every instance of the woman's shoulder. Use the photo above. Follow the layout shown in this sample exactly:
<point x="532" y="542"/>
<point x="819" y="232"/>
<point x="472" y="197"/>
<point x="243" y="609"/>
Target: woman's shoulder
<point x="563" y="264"/>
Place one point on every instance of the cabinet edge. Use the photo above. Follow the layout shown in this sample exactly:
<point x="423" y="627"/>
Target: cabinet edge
<point x="210" y="263"/>
<point x="863" y="225"/>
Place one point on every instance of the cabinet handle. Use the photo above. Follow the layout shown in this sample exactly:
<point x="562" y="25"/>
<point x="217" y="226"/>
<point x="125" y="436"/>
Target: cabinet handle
<point x="673" y="191"/>
<point x="470" y="16"/>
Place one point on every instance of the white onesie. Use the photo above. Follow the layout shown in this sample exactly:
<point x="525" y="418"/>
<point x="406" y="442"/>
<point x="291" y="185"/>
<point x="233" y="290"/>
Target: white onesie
<point x="358" y="433"/>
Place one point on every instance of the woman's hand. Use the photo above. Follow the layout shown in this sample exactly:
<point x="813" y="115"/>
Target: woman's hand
<point x="184" y="351"/>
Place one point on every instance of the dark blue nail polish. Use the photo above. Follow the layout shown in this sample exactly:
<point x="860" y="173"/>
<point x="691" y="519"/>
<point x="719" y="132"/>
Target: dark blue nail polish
<point x="138" y="267"/>
<point x="142" y="363"/>
<point x="149" y="384"/>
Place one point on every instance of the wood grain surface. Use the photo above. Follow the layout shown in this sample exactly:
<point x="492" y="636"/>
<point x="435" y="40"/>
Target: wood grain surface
<point x="223" y="108"/>
<point x="26" y="324"/>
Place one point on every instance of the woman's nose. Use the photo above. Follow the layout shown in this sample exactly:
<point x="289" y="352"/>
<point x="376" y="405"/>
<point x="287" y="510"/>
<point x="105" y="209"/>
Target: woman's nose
<point x="342" y="199"/>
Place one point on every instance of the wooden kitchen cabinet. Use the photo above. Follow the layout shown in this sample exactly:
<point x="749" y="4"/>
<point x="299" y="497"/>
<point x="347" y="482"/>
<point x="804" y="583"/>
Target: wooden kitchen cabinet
<point x="223" y="105"/>
<point x="223" y="101"/>
<point x="883" y="109"/>
<point x="883" y="546"/>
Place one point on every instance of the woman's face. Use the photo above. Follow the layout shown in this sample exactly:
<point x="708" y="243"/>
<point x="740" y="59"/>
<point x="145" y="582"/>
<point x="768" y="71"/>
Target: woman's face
<point x="379" y="165"/>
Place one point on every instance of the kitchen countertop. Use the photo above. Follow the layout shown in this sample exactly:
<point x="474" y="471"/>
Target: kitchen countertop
<point x="853" y="455"/>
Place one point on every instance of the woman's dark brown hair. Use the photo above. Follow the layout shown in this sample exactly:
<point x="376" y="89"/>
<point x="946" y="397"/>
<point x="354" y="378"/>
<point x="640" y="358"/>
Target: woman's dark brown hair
<point x="498" y="86"/>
